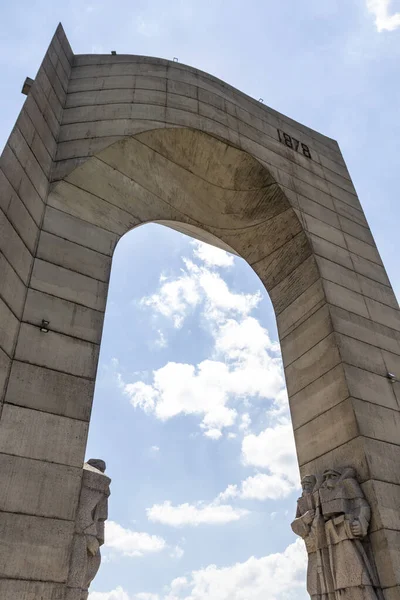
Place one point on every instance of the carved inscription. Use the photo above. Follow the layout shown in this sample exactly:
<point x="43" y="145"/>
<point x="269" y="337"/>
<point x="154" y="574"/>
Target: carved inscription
<point x="294" y="144"/>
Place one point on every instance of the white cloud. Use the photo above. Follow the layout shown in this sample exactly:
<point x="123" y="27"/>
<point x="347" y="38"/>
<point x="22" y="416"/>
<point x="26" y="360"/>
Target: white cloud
<point x="213" y="434"/>
<point x="247" y="369"/>
<point x="117" y="594"/>
<point x="161" y="341"/>
<point x="212" y="256"/>
<point x="279" y="576"/>
<point x="193" y="515"/>
<point x="260" y="487"/>
<point x="383" y="19"/>
<point x="177" y="552"/>
<point x="273" y="449"/>
<point x="245" y="362"/>
<point x="131" y="543"/>
<point x="196" y="285"/>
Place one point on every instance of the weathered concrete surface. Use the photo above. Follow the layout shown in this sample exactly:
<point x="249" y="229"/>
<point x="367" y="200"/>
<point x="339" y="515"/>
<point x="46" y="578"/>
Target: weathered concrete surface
<point x="106" y="143"/>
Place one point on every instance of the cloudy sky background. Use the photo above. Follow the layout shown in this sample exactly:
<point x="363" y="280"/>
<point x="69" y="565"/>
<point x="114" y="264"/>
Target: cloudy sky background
<point x="190" y="410"/>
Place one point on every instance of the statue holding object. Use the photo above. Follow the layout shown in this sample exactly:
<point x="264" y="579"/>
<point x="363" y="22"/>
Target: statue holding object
<point x="333" y="518"/>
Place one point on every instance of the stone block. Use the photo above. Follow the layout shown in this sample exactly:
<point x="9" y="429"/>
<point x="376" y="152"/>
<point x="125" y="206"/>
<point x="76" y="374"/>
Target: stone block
<point x="69" y="255"/>
<point x="384" y="499"/>
<point x="392" y="363"/>
<point x="9" y="325"/>
<point x="392" y="593"/>
<point x="301" y="308"/>
<point x="359" y="354"/>
<point x="21" y="183"/>
<point x="370" y="387"/>
<point x="35" y="143"/>
<point x="381" y="313"/>
<point x="36" y="547"/>
<point x="19" y="589"/>
<point x="92" y="97"/>
<point x="50" y="391"/>
<point x="386" y="548"/>
<point x="354" y="214"/>
<point x="294" y="285"/>
<point x="66" y="284"/>
<point x="334" y="253"/>
<point x="40" y="109"/>
<point x="39" y="488"/>
<point x="56" y="351"/>
<point x="6" y="192"/>
<point x="78" y="231"/>
<point x="377" y="422"/>
<point x="323" y="230"/>
<point x="305" y="336"/>
<point x="14" y="249"/>
<point x="344" y="195"/>
<point x="310" y="192"/>
<point x="358" y="231"/>
<point x="83" y="205"/>
<point x="318" y="397"/>
<point x="313" y="364"/>
<point x="276" y="266"/>
<point x="12" y="289"/>
<point x="52" y="74"/>
<point x="362" y="249"/>
<point x="346" y="299"/>
<point x="64" y="316"/>
<point x="326" y="432"/>
<point x="23" y="223"/>
<point x="61" y="440"/>
<point x="5" y="364"/>
<point x="378" y="291"/>
<point x="365" y="330"/>
<point x="318" y="211"/>
<point x="382" y="460"/>
<point x="28" y="162"/>
<point x="338" y="274"/>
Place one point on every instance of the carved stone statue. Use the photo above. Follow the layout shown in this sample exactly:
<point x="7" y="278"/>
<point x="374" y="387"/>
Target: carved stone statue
<point x="347" y="515"/>
<point x="89" y="529"/>
<point x="333" y="517"/>
<point x="309" y="525"/>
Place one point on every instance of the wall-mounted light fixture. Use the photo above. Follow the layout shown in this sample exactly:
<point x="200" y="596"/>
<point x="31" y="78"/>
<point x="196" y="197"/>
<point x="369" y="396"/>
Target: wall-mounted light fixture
<point x="175" y="59"/>
<point x="391" y="377"/>
<point x="113" y="52"/>
<point x="261" y="100"/>
<point x="45" y="326"/>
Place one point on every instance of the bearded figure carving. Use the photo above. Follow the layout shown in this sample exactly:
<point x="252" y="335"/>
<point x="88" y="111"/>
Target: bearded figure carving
<point x="333" y="519"/>
<point x="89" y="529"/>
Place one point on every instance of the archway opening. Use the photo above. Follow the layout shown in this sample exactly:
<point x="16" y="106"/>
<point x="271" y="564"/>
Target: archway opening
<point x="191" y="415"/>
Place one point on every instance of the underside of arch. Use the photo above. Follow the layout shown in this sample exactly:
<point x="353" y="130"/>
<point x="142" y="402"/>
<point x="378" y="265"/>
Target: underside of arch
<point x="199" y="185"/>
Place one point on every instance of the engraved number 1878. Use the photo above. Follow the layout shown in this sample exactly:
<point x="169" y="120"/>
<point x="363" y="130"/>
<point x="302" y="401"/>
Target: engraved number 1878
<point x="294" y="144"/>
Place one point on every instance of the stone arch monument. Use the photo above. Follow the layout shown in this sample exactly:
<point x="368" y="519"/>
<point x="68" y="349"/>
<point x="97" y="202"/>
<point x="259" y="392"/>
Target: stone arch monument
<point x="105" y="143"/>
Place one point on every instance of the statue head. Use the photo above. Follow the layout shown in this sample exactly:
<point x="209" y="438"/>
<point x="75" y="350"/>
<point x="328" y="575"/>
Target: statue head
<point x="331" y="478"/>
<point x="308" y="483"/>
<point x="97" y="463"/>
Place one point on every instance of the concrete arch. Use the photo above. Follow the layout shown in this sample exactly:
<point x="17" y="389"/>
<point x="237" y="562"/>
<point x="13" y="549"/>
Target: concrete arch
<point x="105" y="143"/>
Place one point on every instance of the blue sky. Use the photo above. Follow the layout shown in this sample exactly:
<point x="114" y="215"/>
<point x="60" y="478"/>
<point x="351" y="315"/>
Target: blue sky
<point x="190" y="410"/>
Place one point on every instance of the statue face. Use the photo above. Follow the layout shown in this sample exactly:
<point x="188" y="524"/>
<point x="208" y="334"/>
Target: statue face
<point x="330" y="479"/>
<point x="308" y="485"/>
